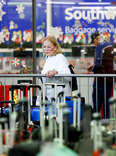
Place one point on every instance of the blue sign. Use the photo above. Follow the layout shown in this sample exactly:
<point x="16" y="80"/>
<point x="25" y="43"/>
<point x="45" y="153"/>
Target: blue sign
<point x="71" y="21"/>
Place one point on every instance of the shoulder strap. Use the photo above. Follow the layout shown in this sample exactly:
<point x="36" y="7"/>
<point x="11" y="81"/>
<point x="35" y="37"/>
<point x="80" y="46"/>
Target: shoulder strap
<point x="74" y="79"/>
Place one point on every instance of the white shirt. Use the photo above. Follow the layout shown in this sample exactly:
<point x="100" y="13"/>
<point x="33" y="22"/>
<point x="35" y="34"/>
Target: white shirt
<point x="60" y="64"/>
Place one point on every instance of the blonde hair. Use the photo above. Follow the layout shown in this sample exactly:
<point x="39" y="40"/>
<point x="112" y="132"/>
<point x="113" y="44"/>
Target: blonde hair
<point x="54" y="41"/>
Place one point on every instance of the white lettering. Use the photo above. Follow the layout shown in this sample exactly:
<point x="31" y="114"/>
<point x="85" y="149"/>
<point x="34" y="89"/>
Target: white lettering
<point x="91" y="14"/>
<point x="101" y="30"/>
<point x="100" y="14"/>
<point x="77" y="15"/>
<point x="69" y="14"/>
<point x="86" y="15"/>
<point x="89" y="30"/>
<point x="79" y="30"/>
<point x="68" y="30"/>
<point x="110" y="14"/>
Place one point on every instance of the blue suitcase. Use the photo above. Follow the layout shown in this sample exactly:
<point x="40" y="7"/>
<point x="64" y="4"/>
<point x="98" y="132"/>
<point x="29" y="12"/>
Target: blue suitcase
<point x="35" y="112"/>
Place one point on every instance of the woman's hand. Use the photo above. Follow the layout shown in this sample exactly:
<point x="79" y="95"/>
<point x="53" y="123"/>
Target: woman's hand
<point x="89" y="67"/>
<point x="51" y="73"/>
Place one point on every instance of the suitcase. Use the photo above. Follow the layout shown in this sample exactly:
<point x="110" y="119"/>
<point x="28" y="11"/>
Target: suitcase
<point x="4" y="111"/>
<point x="45" y="103"/>
<point x="76" y="109"/>
<point x="70" y="104"/>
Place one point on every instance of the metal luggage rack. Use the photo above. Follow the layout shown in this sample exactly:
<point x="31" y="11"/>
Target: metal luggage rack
<point x="85" y="81"/>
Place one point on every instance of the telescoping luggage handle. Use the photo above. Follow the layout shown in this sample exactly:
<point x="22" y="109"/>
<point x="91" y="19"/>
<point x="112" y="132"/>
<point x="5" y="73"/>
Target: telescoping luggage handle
<point x="54" y="85"/>
<point x="42" y="108"/>
<point x="30" y="92"/>
<point x="24" y="82"/>
<point x="17" y="87"/>
<point x="57" y="97"/>
<point x="76" y="111"/>
<point x="56" y="100"/>
<point x="30" y="99"/>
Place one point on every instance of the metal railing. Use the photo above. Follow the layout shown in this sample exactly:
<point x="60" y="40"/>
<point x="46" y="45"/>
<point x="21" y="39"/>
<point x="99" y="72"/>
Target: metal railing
<point x="85" y="82"/>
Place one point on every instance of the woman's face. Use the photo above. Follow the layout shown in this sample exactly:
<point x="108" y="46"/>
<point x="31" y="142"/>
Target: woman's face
<point x="48" y="48"/>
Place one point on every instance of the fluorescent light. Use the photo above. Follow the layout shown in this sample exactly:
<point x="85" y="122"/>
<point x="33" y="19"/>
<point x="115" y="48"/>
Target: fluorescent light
<point x="86" y="7"/>
<point x="29" y="3"/>
<point x="110" y="7"/>
<point x="17" y="3"/>
<point x="61" y="3"/>
<point x="93" y="3"/>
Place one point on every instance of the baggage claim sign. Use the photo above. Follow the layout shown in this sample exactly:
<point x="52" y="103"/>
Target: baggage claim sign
<point x="81" y="21"/>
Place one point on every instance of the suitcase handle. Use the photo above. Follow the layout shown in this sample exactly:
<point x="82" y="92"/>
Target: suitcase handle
<point x="7" y="101"/>
<point x="34" y="86"/>
<point x="62" y="85"/>
<point x="17" y="87"/>
<point x="61" y="94"/>
<point x="24" y="81"/>
<point x="53" y="84"/>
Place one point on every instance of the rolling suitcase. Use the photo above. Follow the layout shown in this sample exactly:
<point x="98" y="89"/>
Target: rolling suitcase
<point x="76" y="109"/>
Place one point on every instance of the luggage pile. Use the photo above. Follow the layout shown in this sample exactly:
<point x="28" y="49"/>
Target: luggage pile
<point x="32" y="125"/>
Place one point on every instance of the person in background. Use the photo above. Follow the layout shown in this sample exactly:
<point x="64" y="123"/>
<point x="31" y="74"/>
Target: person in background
<point x="55" y="63"/>
<point x="103" y="64"/>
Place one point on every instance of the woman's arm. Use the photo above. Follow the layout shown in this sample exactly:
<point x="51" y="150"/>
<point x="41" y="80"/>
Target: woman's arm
<point x="51" y="73"/>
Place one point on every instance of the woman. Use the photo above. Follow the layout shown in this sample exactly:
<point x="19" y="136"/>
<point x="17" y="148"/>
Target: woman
<point x="56" y="63"/>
